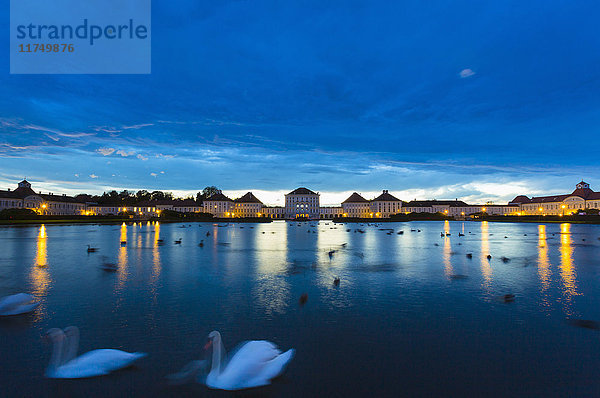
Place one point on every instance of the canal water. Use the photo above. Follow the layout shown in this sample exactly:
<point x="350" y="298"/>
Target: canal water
<point x="413" y="315"/>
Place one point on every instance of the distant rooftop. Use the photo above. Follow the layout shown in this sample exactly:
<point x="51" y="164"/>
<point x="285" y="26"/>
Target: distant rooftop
<point x="386" y="197"/>
<point x="302" y="191"/>
<point x="218" y="197"/>
<point x="355" y="198"/>
<point x="434" y="202"/>
<point x="248" y="198"/>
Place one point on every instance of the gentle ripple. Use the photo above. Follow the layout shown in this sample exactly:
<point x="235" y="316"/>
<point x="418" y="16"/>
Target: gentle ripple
<point x="413" y="315"/>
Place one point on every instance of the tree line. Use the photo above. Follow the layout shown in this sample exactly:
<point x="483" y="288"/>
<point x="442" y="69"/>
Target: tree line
<point x="130" y="198"/>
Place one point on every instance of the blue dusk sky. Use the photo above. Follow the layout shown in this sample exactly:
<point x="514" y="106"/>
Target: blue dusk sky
<point x="477" y="100"/>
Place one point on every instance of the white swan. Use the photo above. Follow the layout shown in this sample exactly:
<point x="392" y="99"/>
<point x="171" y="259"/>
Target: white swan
<point x="255" y="364"/>
<point x="65" y="365"/>
<point x="16" y="304"/>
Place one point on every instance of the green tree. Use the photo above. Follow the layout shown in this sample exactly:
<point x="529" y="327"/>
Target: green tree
<point x="210" y="191"/>
<point x="142" y="195"/>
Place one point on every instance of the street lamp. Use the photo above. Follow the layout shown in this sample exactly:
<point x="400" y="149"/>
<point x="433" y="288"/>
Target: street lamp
<point x="563" y="209"/>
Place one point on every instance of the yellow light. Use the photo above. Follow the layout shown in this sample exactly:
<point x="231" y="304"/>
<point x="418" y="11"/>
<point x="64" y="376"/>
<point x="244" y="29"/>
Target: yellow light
<point x="483" y="209"/>
<point x="258" y="214"/>
<point x="462" y="213"/>
<point x="564" y="207"/>
<point x="446" y="211"/>
<point x="540" y="209"/>
<point x="44" y="206"/>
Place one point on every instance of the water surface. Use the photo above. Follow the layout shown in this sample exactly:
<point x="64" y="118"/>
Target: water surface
<point x="412" y="316"/>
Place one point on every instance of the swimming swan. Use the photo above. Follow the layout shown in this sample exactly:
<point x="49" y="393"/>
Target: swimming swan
<point x="254" y="364"/>
<point x="16" y="304"/>
<point x="64" y="364"/>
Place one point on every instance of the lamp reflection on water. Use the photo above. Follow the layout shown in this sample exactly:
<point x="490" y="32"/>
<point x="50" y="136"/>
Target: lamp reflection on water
<point x="156" y="265"/>
<point x="40" y="277"/>
<point x="122" y="259"/>
<point x="486" y="266"/>
<point x="543" y="263"/>
<point x="567" y="269"/>
<point x="448" y="270"/>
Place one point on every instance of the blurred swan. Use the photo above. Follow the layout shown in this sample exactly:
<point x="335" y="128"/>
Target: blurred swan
<point x="65" y="365"/>
<point x="16" y="304"/>
<point x="255" y="364"/>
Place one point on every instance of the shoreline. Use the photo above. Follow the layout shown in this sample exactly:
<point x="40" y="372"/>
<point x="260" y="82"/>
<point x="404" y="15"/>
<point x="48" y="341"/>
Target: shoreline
<point x="505" y="219"/>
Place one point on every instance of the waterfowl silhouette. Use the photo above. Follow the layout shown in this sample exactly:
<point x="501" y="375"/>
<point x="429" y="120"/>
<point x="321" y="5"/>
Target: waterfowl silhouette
<point x="303" y="298"/>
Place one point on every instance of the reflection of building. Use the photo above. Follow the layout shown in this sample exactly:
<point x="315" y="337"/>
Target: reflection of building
<point x="581" y="198"/>
<point x="302" y="203"/>
<point x="25" y="198"/>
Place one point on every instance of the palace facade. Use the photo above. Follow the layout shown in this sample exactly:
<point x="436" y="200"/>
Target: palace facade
<point x="582" y="198"/>
<point x="26" y="198"/>
<point x="302" y="203"/>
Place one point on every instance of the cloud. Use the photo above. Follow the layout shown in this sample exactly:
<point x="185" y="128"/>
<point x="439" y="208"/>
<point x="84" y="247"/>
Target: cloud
<point x="76" y="175"/>
<point x="106" y="151"/>
<point x="93" y="176"/>
<point x="137" y="126"/>
<point x="142" y="157"/>
<point x="125" y="153"/>
<point x="153" y="174"/>
<point x="466" y="73"/>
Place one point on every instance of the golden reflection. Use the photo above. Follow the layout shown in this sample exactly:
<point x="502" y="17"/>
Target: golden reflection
<point x="448" y="270"/>
<point x="486" y="267"/>
<point x="40" y="278"/>
<point x="122" y="257"/>
<point x="567" y="269"/>
<point x="543" y="260"/>
<point x="156" y="266"/>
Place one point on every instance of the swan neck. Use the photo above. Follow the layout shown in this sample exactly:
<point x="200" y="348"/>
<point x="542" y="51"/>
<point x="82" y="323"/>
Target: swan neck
<point x="57" y="353"/>
<point x="216" y="355"/>
<point x="71" y="345"/>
